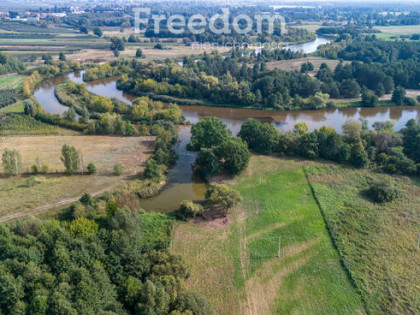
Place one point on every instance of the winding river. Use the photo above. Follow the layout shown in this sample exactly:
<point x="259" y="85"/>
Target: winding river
<point x="182" y="184"/>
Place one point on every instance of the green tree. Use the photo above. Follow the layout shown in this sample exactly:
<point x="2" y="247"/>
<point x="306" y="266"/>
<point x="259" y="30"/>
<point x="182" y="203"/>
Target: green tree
<point x="83" y="227"/>
<point x="234" y="155"/>
<point x="349" y="88"/>
<point x="62" y="57"/>
<point x="358" y="156"/>
<point x="117" y="44"/>
<point x="352" y="129"/>
<point x="223" y="197"/>
<point x="379" y="89"/>
<point x="261" y="138"/>
<point x="12" y="163"/>
<point x="411" y="140"/>
<point x="369" y="99"/>
<point x="207" y="133"/>
<point x="189" y="209"/>
<point x="29" y="107"/>
<point x="70" y="159"/>
<point x="70" y="114"/>
<point x="97" y="31"/>
<point x="194" y="303"/>
<point x="83" y="29"/>
<point x="91" y="168"/>
<point x="398" y="96"/>
<point x="139" y="53"/>
<point x="207" y="162"/>
<point x="153" y="169"/>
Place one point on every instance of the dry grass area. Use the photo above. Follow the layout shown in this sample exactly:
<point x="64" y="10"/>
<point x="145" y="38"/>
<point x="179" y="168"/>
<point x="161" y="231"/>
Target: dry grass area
<point x="172" y="51"/>
<point x="295" y="64"/>
<point x="92" y="55"/>
<point x="27" y="192"/>
<point x="234" y="262"/>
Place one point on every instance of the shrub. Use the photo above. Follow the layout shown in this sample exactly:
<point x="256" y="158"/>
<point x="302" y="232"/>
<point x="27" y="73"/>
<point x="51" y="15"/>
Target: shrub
<point x="382" y="192"/>
<point x="91" y="169"/>
<point x="86" y="199"/>
<point x="34" y="169"/>
<point x="118" y="169"/>
<point x="153" y="169"/>
<point x="45" y="168"/>
<point x="189" y="209"/>
<point x="152" y="189"/>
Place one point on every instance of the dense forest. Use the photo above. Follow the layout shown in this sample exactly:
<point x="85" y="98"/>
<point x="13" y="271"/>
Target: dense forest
<point x="10" y="64"/>
<point x="111" y="261"/>
<point x="233" y="81"/>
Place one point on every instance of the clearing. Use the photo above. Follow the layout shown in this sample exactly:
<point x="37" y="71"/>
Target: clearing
<point x="234" y="260"/>
<point x="26" y="192"/>
<point x="295" y="64"/>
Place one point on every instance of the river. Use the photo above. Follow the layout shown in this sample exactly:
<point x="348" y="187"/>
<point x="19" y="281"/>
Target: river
<point x="182" y="185"/>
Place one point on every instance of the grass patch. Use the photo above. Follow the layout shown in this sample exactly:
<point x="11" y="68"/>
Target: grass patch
<point x="236" y="266"/>
<point x="15" y="108"/>
<point x="377" y="241"/>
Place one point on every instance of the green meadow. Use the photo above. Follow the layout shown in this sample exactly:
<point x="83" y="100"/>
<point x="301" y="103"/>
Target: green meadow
<point x="235" y="262"/>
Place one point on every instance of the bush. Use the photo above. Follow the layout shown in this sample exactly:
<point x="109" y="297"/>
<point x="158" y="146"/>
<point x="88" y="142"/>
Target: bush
<point x="382" y="192"/>
<point x="153" y="169"/>
<point x="152" y="189"/>
<point x="118" y="169"/>
<point x="91" y="169"/>
<point x="45" y="168"/>
<point x="34" y="169"/>
<point x="189" y="209"/>
<point x="86" y="199"/>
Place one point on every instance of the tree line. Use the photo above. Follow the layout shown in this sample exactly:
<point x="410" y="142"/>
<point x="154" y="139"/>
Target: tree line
<point x="382" y="148"/>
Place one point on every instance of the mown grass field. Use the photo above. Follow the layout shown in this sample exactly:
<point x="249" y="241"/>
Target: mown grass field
<point x="234" y="261"/>
<point x="18" y="194"/>
<point x="377" y="241"/>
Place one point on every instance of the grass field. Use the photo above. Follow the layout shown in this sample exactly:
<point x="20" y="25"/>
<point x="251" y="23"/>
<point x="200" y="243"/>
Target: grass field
<point x="17" y="195"/>
<point x="15" y="108"/>
<point x="295" y="64"/>
<point x="377" y="241"/>
<point x="11" y="81"/>
<point x="399" y="29"/>
<point x="397" y="32"/>
<point x="234" y="263"/>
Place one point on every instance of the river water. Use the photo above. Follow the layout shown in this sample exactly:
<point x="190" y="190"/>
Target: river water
<point x="182" y="185"/>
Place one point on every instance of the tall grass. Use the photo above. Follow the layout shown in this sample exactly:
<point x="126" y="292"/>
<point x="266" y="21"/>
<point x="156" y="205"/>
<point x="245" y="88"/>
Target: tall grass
<point x="25" y="125"/>
<point x="377" y="242"/>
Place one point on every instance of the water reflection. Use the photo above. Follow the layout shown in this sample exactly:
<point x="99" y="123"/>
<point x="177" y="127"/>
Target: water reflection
<point x="309" y="47"/>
